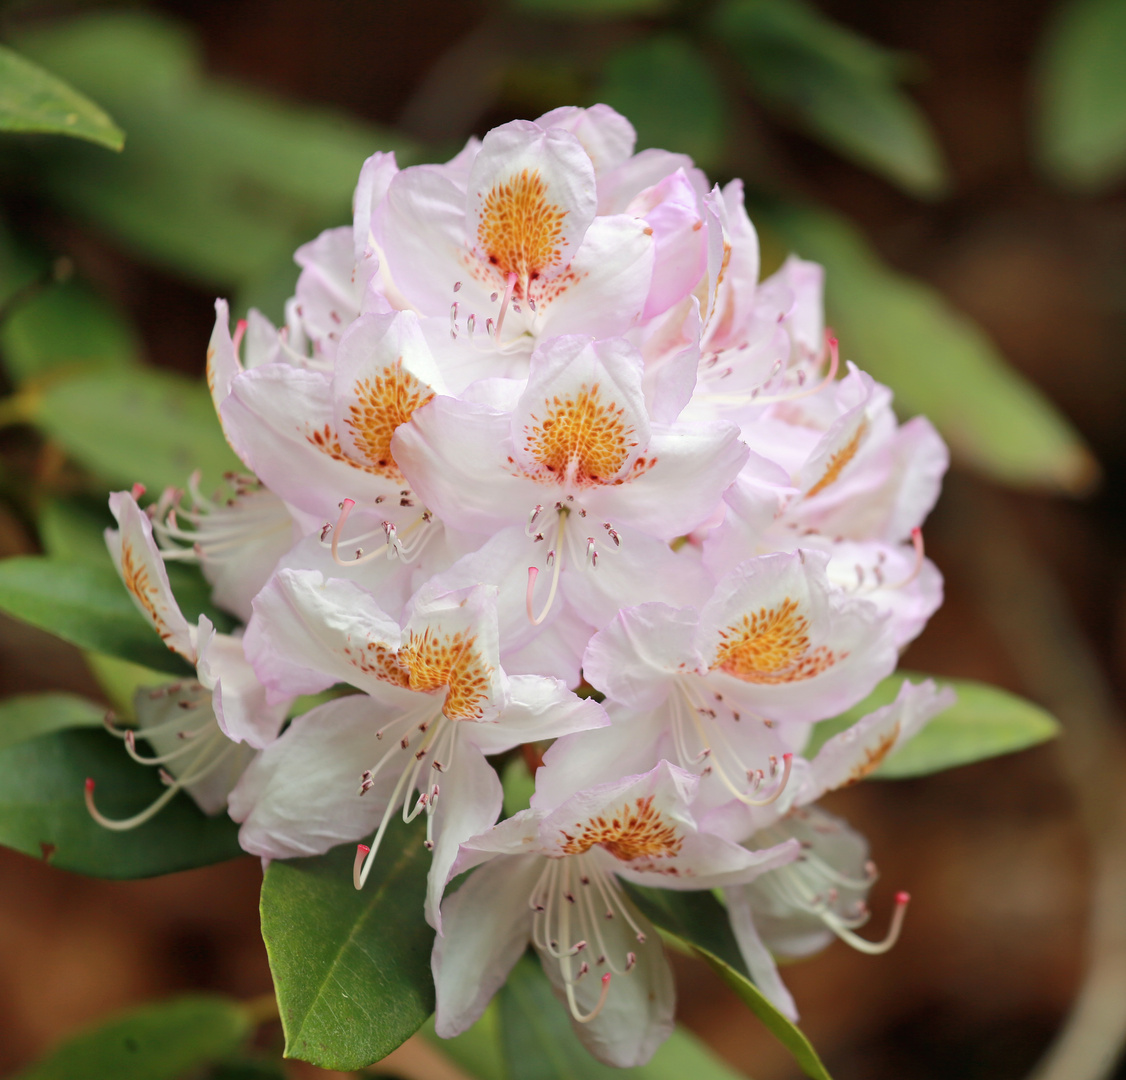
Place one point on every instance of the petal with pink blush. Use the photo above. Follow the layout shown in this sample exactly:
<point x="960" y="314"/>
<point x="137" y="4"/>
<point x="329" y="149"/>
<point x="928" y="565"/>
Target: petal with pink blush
<point x="672" y="210"/>
<point x="606" y="135"/>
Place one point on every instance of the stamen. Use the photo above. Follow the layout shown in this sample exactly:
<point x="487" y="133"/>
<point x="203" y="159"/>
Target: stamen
<point x="361" y="854"/>
<point x="872" y="948"/>
<point x="920" y="555"/>
<point x="555" y="561"/>
<point x="236" y="340"/>
<point x="586" y="1019"/>
<point x="504" y="304"/>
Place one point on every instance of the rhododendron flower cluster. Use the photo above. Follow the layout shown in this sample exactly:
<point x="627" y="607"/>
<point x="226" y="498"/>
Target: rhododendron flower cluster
<point x="537" y="456"/>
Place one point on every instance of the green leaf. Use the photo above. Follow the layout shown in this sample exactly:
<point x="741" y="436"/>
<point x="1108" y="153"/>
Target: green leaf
<point x="85" y="606"/>
<point x="220" y="183"/>
<point x="1082" y="94"/>
<point x="154" y="1042"/>
<point x="32" y="99"/>
<point x="27" y="716"/>
<point x="985" y="722"/>
<point x="143" y="425"/>
<point x="593" y="9"/>
<point x="351" y="966"/>
<point x="518" y="784"/>
<point x="700" y="921"/>
<point x="66" y="326"/>
<point x="839" y="86"/>
<point x="669" y="91"/>
<point x="540" y="1044"/>
<point x="936" y="360"/>
<point x="43" y="810"/>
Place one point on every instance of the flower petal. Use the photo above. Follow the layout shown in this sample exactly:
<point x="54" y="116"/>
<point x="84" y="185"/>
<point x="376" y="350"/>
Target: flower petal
<point x="634" y="659"/>
<point x="859" y="750"/>
<point x="137" y="558"/>
<point x="238" y="698"/>
<point x="308" y="633"/>
<point x="469" y="802"/>
<point x="486" y="924"/>
<point x="299" y="796"/>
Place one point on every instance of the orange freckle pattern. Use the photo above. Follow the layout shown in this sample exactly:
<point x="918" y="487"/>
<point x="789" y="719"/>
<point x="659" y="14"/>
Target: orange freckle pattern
<point x="873" y="757"/>
<point x="634" y="832"/>
<point x="580" y="439"/>
<point x="521" y="232"/>
<point x="430" y="662"/>
<point x="328" y="442"/>
<point x="771" y="647"/>
<point x="136" y="577"/>
<point x="383" y="402"/>
<point x="435" y="661"/>
<point x="839" y="460"/>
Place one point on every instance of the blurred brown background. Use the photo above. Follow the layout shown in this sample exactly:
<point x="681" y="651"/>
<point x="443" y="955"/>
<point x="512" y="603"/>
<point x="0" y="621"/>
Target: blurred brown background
<point x="995" y="855"/>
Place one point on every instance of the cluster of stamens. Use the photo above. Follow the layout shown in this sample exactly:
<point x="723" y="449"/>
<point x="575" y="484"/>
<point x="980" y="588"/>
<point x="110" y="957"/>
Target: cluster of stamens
<point x="205" y="748"/>
<point x="493" y="327"/>
<point x="435" y="737"/>
<point x="394" y="546"/>
<point x="572" y="900"/>
<point x="588" y="554"/>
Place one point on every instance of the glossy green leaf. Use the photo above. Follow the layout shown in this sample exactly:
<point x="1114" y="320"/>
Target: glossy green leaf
<point x="700" y="921"/>
<point x="85" y="606"/>
<point x="154" y="1042"/>
<point x="143" y="425"/>
<point x="43" y="810"/>
<point x="65" y="327"/>
<point x="540" y="1044"/>
<point x="936" y="360"/>
<point x="985" y="722"/>
<point x="220" y="183"/>
<point x="839" y="86"/>
<point x="670" y="93"/>
<point x="593" y="9"/>
<point x="32" y="99"/>
<point x="27" y="716"/>
<point x="1082" y="94"/>
<point x="351" y="966"/>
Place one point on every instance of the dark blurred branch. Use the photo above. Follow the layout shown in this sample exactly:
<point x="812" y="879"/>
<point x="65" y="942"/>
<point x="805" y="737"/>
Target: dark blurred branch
<point x="1026" y="604"/>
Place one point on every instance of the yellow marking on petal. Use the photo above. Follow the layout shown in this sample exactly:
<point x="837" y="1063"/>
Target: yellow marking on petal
<point x="135" y="574"/>
<point x="431" y="662"/>
<point x="634" y="832"/>
<point x="382" y="403"/>
<point x="771" y="646"/>
<point x="580" y="439"/>
<point x="873" y="757"/>
<point x="839" y="460"/>
<point x="327" y="442"/>
<point x="435" y="662"/>
<point x="521" y="232"/>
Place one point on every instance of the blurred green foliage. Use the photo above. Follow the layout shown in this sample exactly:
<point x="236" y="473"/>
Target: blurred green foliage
<point x="1081" y="122"/>
<point x="32" y="99"/>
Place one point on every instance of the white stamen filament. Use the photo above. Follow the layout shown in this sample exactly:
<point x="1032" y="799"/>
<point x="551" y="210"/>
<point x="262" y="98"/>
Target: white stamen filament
<point x="439" y="737"/>
<point x="555" y="560"/>
<point x="688" y="706"/>
<point x="393" y="547"/>
<point x="753" y="397"/>
<point x="566" y="922"/>
<point x="194" y="773"/>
